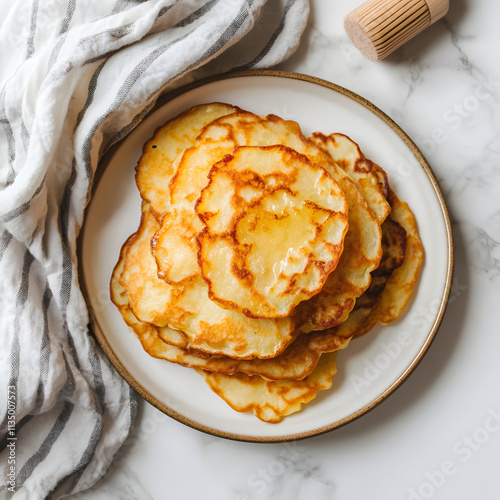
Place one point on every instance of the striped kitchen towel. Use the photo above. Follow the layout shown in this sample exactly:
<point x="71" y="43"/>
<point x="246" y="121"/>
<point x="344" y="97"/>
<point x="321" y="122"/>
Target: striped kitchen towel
<point x="76" y="76"/>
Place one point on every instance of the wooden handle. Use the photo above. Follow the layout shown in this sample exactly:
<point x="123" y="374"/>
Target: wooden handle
<point x="379" y="27"/>
<point x="438" y="9"/>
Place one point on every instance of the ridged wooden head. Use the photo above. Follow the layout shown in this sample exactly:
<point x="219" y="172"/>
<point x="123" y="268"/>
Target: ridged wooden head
<point x="379" y="27"/>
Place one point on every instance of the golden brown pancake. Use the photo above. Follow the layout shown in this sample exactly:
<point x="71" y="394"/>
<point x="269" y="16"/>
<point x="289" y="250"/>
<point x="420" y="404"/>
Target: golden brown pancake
<point x="295" y="363"/>
<point x="299" y="359"/>
<point x="159" y="153"/>
<point x="332" y="305"/>
<point x="174" y="245"/>
<point x="186" y="306"/>
<point x="371" y="180"/>
<point x="401" y="283"/>
<point x="271" y="400"/>
<point x="275" y="226"/>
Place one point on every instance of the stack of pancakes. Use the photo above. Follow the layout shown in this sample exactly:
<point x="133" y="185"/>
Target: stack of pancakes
<point x="260" y="254"/>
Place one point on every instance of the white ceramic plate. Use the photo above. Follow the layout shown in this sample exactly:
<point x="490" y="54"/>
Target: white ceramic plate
<point x="373" y="366"/>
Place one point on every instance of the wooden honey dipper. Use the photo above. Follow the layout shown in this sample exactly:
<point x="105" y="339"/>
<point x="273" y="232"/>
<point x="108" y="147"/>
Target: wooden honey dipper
<point x="379" y="27"/>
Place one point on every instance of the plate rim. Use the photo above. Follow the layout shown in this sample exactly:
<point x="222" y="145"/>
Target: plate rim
<point x="97" y="332"/>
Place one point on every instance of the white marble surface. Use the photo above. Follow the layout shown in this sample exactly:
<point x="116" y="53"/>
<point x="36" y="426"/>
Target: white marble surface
<point x="438" y="436"/>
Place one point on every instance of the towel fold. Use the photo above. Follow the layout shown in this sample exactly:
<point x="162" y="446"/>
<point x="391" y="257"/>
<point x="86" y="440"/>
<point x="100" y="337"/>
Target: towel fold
<point x="77" y="76"/>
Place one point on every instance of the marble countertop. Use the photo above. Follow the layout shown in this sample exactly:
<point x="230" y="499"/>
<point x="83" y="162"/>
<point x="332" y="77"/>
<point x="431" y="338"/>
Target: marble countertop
<point x="438" y="436"/>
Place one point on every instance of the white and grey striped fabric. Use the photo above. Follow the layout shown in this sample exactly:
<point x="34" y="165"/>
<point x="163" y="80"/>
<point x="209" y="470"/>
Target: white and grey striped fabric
<point x="77" y="76"/>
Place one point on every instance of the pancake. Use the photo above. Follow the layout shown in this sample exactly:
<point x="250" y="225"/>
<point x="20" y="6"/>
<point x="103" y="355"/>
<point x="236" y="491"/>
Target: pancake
<point x="333" y="303"/>
<point x="168" y="142"/>
<point x="300" y="358"/>
<point x="401" y="283"/>
<point x="186" y="306"/>
<point x="174" y="245"/>
<point x="271" y="401"/>
<point x="295" y="363"/>
<point x="371" y="180"/>
<point x="361" y="255"/>
<point x="262" y="195"/>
